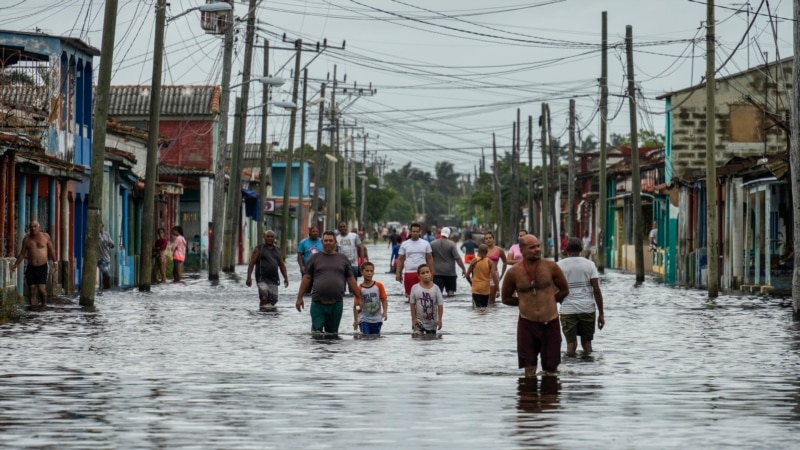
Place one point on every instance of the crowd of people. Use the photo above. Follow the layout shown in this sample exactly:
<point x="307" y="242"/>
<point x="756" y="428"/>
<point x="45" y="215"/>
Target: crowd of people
<point x="427" y="270"/>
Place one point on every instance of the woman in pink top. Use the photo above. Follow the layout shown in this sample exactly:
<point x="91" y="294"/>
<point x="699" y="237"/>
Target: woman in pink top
<point x="178" y="253"/>
<point x="496" y="254"/>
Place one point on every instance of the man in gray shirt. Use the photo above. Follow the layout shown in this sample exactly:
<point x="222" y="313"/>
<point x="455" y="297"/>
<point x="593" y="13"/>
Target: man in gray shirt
<point x="445" y="256"/>
<point x="325" y="275"/>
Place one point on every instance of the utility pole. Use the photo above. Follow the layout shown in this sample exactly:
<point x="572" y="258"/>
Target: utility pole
<point x="545" y="184"/>
<point x="602" y="198"/>
<point x="557" y="189"/>
<point x="711" y="160"/>
<point x="532" y="228"/>
<point x="235" y="188"/>
<point x="320" y="160"/>
<point x="515" y="182"/>
<point x="231" y="229"/>
<point x="151" y="169"/>
<point x="218" y="214"/>
<point x="794" y="164"/>
<point x="98" y="157"/>
<point x="287" y="179"/>
<point x="335" y="191"/>
<point x="300" y="225"/>
<point x="571" y="172"/>
<point x="266" y="158"/>
<point x="636" y="176"/>
<point x="498" y="198"/>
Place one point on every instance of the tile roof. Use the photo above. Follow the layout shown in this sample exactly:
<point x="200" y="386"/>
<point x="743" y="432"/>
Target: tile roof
<point x="181" y="101"/>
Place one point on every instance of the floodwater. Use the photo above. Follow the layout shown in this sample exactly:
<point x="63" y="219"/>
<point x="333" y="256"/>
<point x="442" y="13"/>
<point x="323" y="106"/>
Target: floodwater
<point x="198" y="366"/>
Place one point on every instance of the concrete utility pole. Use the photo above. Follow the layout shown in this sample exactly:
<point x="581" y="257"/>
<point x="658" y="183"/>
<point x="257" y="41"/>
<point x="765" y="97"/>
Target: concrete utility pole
<point x="320" y="160"/>
<point x="266" y="157"/>
<point x="532" y="228"/>
<point x="555" y="179"/>
<point x="333" y="175"/>
<point x="498" y="197"/>
<point x="218" y="214"/>
<point x="794" y="162"/>
<point x="98" y="157"/>
<point x="232" y="209"/>
<point x="287" y="178"/>
<point x="602" y="200"/>
<point x="546" y="201"/>
<point x="300" y="225"/>
<point x="151" y="169"/>
<point x="571" y="172"/>
<point x="711" y="160"/>
<point x="515" y="181"/>
<point x="235" y="188"/>
<point x="636" y="176"/>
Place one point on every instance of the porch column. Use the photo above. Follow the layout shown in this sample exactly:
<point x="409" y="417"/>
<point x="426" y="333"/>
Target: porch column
<point x="758" y="235"/>
<point x="747" y="240"/>
<point x="5" y="187"/>
<point x="51" y="209"/>
<point x="767" y="235"/>
<point x="22" y="214"/>
<point x="736" y="241"/>
<point x="35" y="200"/>
<point x="63" y="266"/>
<point x="206" y="199"/>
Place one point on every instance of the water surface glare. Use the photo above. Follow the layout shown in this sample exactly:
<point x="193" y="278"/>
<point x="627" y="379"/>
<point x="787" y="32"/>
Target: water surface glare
<point x="198" y="366"/>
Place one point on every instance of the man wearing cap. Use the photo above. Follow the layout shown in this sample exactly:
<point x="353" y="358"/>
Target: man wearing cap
<point x="445" y="256"/>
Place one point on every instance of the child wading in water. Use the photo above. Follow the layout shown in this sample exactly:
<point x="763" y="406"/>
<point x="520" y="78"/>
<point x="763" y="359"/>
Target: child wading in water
<point x="480" y="271"/>
<point x="373" y="296"/>
<point x="426" y="302"/>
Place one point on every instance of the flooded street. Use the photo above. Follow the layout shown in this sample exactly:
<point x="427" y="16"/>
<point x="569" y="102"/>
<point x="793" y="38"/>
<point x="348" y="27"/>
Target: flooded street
<point x="198" y="366"/>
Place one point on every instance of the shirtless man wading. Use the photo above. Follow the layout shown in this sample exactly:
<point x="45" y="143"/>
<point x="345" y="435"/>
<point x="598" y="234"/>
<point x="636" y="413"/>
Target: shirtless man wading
<point x="36" y="246"/>
<point x="539" y="284"/>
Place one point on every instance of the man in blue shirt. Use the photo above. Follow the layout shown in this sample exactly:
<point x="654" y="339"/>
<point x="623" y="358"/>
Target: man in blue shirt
<point x="308" y="246"/>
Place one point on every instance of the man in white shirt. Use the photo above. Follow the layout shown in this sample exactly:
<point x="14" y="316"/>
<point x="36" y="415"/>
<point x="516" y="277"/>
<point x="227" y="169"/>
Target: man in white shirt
<point x="578" y="311"/>
<point x="413" y="253"/>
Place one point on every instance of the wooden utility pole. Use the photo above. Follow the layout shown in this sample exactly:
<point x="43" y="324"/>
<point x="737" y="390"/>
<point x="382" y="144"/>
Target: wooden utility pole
<point x="231" y="210"/>
<point x="602" y="201"/>
<point x="794" y="162"/>
<point x="333" y="183"/>
<point x="554" y="178"/>
<point x="218" y="213"/>
<point x="498" y="198"/>
<point x="546" y="201"/>
<point x="636" y="176"/>
<point x="711" y="160"/>
<point x="571" y="172"/>
<point x="287" y="178"/>
<point x="151" y="168"/>
<point x="266" y="157"/>
<point x="98" y="157"/>
<point x="303" y="110"/>
<point x="513" y="210"/>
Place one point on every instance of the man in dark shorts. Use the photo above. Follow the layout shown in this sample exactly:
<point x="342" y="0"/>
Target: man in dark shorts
<point x="267" y="260"/>
<point x="324" y="274"/>
<point x="539" y="284"/>
<point x="445" y="258"/>
<point x="36" y="246"/>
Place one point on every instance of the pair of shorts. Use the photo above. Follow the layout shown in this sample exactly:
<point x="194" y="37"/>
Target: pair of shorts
<point x="268" y="293"/>
<point x="370" y="328"/>
<point x="535" y="338"/>
<point x="409" y="280"/>
<point x="469" y="257"/>
<point x="105" y="267"/>
<point x="480" y="300"/>
<point x="447" y="283"/>
<point x="36" y="274"/>
<point x="326" y="318"/>
<point x="419" y="328"/>
<point x="581" y="324"/>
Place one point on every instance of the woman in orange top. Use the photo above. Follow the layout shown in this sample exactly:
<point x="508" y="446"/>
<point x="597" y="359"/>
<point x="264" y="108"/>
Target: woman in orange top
<point x="480" y="274"/>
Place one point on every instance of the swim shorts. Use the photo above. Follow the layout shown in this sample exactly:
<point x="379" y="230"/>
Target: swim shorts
<point x="36" y="274"/>
<point x="534" y="338"/>
<point x="268" y="292"/>
<point x="581" y="324"/>
<point x="447" y="283"/>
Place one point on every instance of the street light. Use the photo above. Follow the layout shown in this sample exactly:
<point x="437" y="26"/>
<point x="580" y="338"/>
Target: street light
<point x="208" y="7"/>
<point x="269" y="81"/>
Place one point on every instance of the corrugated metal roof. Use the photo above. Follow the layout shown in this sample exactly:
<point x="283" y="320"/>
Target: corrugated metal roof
<point x="180" y="101"/>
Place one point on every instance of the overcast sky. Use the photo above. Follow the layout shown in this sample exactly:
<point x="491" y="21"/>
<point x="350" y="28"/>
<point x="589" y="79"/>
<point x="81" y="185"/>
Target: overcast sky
<point x="449" y="73"/>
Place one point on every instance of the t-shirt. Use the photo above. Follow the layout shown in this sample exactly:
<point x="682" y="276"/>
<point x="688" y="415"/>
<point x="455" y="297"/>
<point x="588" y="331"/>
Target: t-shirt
<point x="308" y="247"/>
<point x="179" y="248"/>
<point x="103" y="254"/>
<point x="579" y="272"/>
<point x="445" y="253"/>
<point x="348" y="246"/>
<point x="514" y="253"/>
<point x="654" y="236"/>
<point x="427" y="302"/>
<point x="415" y="252"/>
<point x="328" y="272"/>
<point x="372" y="309"/>
<point x="587" y="243"/>
<point x="268" y="265"/>
<point x="469" y="247"/>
